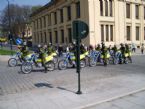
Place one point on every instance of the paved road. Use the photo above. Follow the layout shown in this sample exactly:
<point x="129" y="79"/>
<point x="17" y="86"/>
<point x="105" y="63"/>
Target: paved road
<point x="134" y="101"/>
<point x="13" y="81"/>
<point x="56" y="90"/>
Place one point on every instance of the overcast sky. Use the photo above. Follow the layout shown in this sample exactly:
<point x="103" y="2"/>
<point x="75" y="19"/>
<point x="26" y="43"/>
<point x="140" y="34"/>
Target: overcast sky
<point x="4" y="3"/>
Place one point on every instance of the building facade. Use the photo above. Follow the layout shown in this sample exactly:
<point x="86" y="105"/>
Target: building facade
<point x="111" y="21"/>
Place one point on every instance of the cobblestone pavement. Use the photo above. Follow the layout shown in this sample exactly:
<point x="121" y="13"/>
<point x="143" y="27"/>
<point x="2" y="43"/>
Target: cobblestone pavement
<point x="56" y="89"/>
<point x="133" y="101"/>
<point x="13" y="81"/>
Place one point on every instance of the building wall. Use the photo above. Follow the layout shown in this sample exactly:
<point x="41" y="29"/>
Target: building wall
<point x="114" y="20"/>
<point x="50" y="26"/>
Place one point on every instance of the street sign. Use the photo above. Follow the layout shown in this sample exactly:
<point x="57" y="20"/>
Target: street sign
<point x="80" y="29"/>
<point x="19" y="41"/>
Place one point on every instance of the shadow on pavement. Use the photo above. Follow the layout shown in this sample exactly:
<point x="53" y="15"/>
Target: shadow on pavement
<point x="39" y="85"/>
<point x="61" y="88"/>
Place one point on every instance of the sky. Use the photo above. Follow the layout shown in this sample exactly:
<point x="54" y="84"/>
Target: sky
<point x="4" y="3"/>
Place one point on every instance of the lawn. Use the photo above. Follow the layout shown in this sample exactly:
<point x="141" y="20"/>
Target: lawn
<point x="6" y="52"/>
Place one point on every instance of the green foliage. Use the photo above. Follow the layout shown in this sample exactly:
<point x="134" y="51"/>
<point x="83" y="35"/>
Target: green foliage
<point x="35" y="8"/>
<point x="6" y="52"/>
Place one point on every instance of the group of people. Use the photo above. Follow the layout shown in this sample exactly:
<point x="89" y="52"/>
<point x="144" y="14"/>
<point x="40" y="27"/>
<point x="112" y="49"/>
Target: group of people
<point x="42" y="51"/>
<point x="48" y="49"/>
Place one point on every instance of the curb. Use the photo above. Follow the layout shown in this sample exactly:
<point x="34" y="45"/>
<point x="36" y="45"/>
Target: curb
<point x="111" y="99"/>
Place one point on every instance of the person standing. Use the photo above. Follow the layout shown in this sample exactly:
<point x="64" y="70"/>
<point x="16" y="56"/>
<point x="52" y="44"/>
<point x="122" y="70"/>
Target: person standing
<point x="142" y="48"/>
<point x="133" y="46"/>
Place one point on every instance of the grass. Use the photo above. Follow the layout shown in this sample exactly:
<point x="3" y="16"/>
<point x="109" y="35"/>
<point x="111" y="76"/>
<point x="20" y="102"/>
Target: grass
<point x="6" y="52"/>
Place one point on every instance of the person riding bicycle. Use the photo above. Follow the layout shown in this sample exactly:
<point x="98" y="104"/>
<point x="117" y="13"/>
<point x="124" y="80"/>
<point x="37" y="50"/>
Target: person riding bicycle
<point x="41" y="55"/>
<point x="98" y="48"/>
<point x="109" y="48"/>
<point x="114" y="48"/>
<point x="82" y="49"/>
<point x="122" y="49"/>
<point x="50" y="49"/>
<point x="104" y="53"/>
<point x="24" y="50"/>
<point x="127" y="50"/>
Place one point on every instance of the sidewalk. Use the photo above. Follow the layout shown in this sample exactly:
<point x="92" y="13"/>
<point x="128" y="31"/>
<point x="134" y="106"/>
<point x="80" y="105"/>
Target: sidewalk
<point x="4" y="57"/>
<point x="133" y="101"/>
<point x="54" y="97"/>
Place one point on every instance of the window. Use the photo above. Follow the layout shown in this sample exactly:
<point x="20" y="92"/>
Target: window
<point x="34" y="25"/>
<point x="41" y="38"/>
<point x="56" y="37"/>
<point x="144" y="13"/>
<point x="111" y="32"/>
<point x="144" y="33"/>
<point x="37" y="24"/>
<point x="102" y="32"/>
<point x="61" y="15"/>
<point x="127" y="10"/>
<point x="107" y="33"/>
<point x="45" y="37"/>
<point x="137" y="33"/>
<point x="34" y="37"/>
<point x="101" y="8"/>
<point x="50" y="37"/>
<point x="62" y="36"/>
<point x="69" y="12"/>
<point x="70" y="35"/>
<point x="111" y="10"/>
<point x="137" y="11"/>
<point x="40" y="23"/>
<point x="38" y="38"/>
<point x="44" y="21"/>
<point x="49" y="20"/>
<point x="106" y="8"/>
<point x="55" y="18"/>
<point x="128" y="33"/>
<point x="78" y="11"/>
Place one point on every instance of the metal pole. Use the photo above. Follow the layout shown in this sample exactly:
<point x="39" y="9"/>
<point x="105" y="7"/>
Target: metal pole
<point x="78" y="60"/>
<point x="78" y="67"/>
<point x="11" y="47"/>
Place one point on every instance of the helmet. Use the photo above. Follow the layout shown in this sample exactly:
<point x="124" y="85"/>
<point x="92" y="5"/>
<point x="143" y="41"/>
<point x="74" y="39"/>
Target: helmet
<point x="39" y="46"/>
<point x="98" y="45"/>
<point x="50" y="44"/>
<point x="45" y="46"/>
<point x="19" y="46"/>
<point x="25" y="43"/>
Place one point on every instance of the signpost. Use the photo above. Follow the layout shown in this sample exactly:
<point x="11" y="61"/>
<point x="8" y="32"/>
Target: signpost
<point x="80" y="31"/>
<point x="19" y="41"/>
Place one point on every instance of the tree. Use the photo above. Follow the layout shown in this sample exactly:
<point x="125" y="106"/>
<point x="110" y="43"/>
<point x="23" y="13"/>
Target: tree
<point x="19" y="16"/>
<point x="34" y="8"/>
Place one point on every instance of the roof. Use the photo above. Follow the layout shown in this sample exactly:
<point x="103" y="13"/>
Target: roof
<point x="43" y="7"/>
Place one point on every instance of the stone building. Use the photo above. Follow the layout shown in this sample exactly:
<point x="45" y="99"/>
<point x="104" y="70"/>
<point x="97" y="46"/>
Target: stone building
<point x="111" y="21"/>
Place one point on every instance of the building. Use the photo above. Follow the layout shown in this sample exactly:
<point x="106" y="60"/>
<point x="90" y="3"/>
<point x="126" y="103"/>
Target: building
<point x="111" y="21"/>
